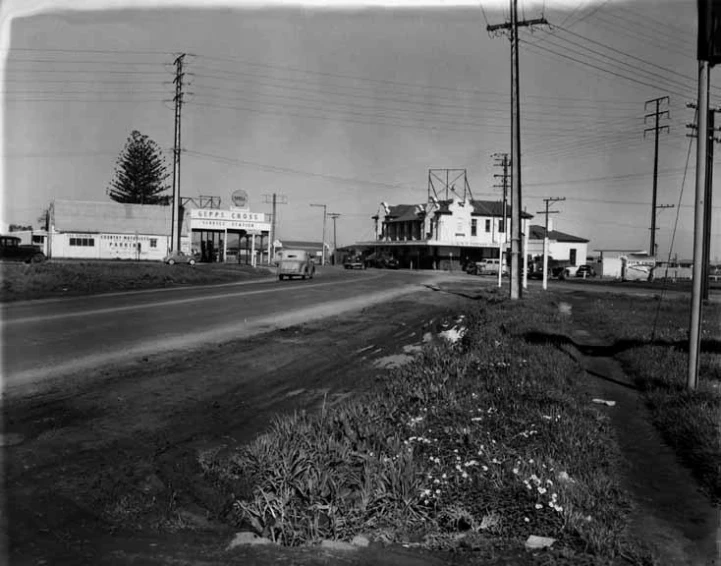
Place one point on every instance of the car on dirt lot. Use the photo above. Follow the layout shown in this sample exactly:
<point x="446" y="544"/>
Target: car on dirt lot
<point x="585" y="271"/>
<point x="354" y="262"/>
<point x="490" y="267"/>
<point x="296" y="263"/>
<point x="12" y="250"/>
<point x="179" y="257"/>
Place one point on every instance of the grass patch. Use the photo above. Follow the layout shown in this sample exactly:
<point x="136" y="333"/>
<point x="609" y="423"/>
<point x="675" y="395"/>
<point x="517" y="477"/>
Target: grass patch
<point x="657" y="360"/>
<point x="492" y="437"/>
<point x="70" y="278"/>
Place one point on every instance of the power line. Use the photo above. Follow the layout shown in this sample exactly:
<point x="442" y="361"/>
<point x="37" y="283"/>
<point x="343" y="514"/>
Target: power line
<point x="587" y="64"/>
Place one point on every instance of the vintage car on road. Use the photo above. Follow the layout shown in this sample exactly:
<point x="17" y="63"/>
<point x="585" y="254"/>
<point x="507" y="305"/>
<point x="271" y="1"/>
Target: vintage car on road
<point x="179" y="257"/>
<point x="354" y="262"/>
<point x="12" y="250"/>
<point x="296" y="263"/>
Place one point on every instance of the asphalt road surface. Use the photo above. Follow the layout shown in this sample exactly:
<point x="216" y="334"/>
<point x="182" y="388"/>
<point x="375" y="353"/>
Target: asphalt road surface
<point x="50" y="339"/>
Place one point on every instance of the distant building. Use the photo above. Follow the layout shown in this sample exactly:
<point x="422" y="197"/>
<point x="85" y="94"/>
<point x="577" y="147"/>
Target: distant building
<point x="315" y="248"/>
<point x="561" y="246"/>
<point x="443" y="234"/>
<point x="611" y="262"/>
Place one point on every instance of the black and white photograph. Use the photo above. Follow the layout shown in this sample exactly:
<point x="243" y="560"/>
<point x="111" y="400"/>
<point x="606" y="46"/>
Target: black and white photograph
<point x="360" y="282"/>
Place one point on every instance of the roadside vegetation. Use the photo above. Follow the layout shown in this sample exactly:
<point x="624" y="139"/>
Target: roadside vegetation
<point x="52" y="279"/>
<point x="478" y="443"/>
<point x="652" y="344"/>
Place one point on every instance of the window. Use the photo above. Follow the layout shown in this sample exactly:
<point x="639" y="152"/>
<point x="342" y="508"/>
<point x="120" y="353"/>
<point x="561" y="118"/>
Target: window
<point x="153" y="242"/>
<point x="573" y="256"/>
<point x="488" y="224"/>
<point x="501" y="226"/>
<point x="86" y="242"/>
<point x="474" y="226"/>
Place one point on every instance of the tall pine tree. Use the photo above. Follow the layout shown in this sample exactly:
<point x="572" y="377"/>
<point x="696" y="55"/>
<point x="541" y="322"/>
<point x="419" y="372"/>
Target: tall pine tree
<point x="140" y="173"/>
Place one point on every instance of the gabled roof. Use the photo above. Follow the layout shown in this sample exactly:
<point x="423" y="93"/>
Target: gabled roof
<point x="404" y="212"/>
<point x="408" y="212"/>
<point x="538" y="233"/>
<point x="494" y="208"/>
<point x="112" y="217"/>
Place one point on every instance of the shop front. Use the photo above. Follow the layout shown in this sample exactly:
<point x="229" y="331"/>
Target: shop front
<point x="230" y="235"/>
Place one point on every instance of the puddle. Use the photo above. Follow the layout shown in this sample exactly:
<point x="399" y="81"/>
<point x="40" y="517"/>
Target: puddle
<point x="11" y="439"/>
<point x="453" y="335"/>
<point x="393" y="361"/>
<point x="295" y="392"/>
<point x="564" y="308"/>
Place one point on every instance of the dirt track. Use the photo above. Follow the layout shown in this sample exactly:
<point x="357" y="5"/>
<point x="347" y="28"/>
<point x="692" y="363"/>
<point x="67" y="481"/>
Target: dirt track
<point x="118" y="454"/>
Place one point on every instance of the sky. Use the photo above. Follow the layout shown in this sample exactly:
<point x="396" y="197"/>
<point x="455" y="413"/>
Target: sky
<point x="350" y="105"/>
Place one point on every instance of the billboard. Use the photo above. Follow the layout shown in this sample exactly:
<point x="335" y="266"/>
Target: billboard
<point x="709" y="31"/>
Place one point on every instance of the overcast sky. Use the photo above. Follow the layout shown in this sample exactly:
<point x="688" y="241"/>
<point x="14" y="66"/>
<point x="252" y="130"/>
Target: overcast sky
<point x="351" y="107"/>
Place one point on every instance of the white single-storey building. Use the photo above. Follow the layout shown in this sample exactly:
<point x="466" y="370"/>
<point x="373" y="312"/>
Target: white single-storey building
<point x="111" y="230"/>
<point x="561" y="246"/>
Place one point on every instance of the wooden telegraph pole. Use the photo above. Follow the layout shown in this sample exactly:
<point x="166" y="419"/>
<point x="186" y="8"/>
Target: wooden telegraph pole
<point x="516" y="204"/>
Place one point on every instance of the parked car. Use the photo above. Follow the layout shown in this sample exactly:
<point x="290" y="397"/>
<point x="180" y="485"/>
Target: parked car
<point x="296" y="263"/>
<point x="12" y="250"/>
<point x="354" y="262"/>
<point x="491" y="266"/>
<point x="382" y="261"/>
<point x="585" y="271"/>
<point x="179" y="257"/>
<point x="475" y="267"/>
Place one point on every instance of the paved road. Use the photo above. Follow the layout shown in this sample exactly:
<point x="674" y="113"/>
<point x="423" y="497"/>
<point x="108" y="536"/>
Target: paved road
<point x="50" y="338"/>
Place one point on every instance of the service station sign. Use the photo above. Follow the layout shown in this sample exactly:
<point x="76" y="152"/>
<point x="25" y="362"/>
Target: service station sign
<point x="214" y="219"/>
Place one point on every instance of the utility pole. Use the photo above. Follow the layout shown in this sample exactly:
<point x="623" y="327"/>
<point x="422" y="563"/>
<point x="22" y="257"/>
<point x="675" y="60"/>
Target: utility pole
<point x="654" y="252"/>
<point x="708" y="193"/>
<point x="548" y="202"/>
<point x="694" y="342"/>
<point x="333" y="216"/>
<point x="656" y="115"/>
<point x="175" y="234"/>
<point x="275" y="199"/>
<point x="513" y="26"/>
<point x="325" y="216"/>
<point x="504" y="163"/>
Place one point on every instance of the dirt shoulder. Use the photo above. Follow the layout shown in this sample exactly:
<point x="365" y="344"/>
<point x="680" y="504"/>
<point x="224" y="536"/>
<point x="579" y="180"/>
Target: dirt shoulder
<point x="117" y="453"/>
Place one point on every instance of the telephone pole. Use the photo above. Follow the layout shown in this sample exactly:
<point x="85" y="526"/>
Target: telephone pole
<point x="175" y="234"/>
<point x="325" y="217"/>
<point x="708" y="193"/>
<point x="275" y="199"/>
<point x="333" y="216"/>
<point x="504" y="163"/>
<point x="656" y="115"/>
<point x="512" y="26"/>
<point x="548" y="202"/>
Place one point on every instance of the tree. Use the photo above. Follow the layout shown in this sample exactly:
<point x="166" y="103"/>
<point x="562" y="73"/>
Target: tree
<point x="140" y="173"/>
<point x="19" y="228"/>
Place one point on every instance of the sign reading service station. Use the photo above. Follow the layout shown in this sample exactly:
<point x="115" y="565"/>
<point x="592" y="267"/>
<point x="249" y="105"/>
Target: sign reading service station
<point x="214" y="219"/>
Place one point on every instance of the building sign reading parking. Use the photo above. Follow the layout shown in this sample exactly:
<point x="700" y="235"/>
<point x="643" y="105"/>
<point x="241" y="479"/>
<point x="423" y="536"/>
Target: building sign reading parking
<point x="207" y="219"/>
